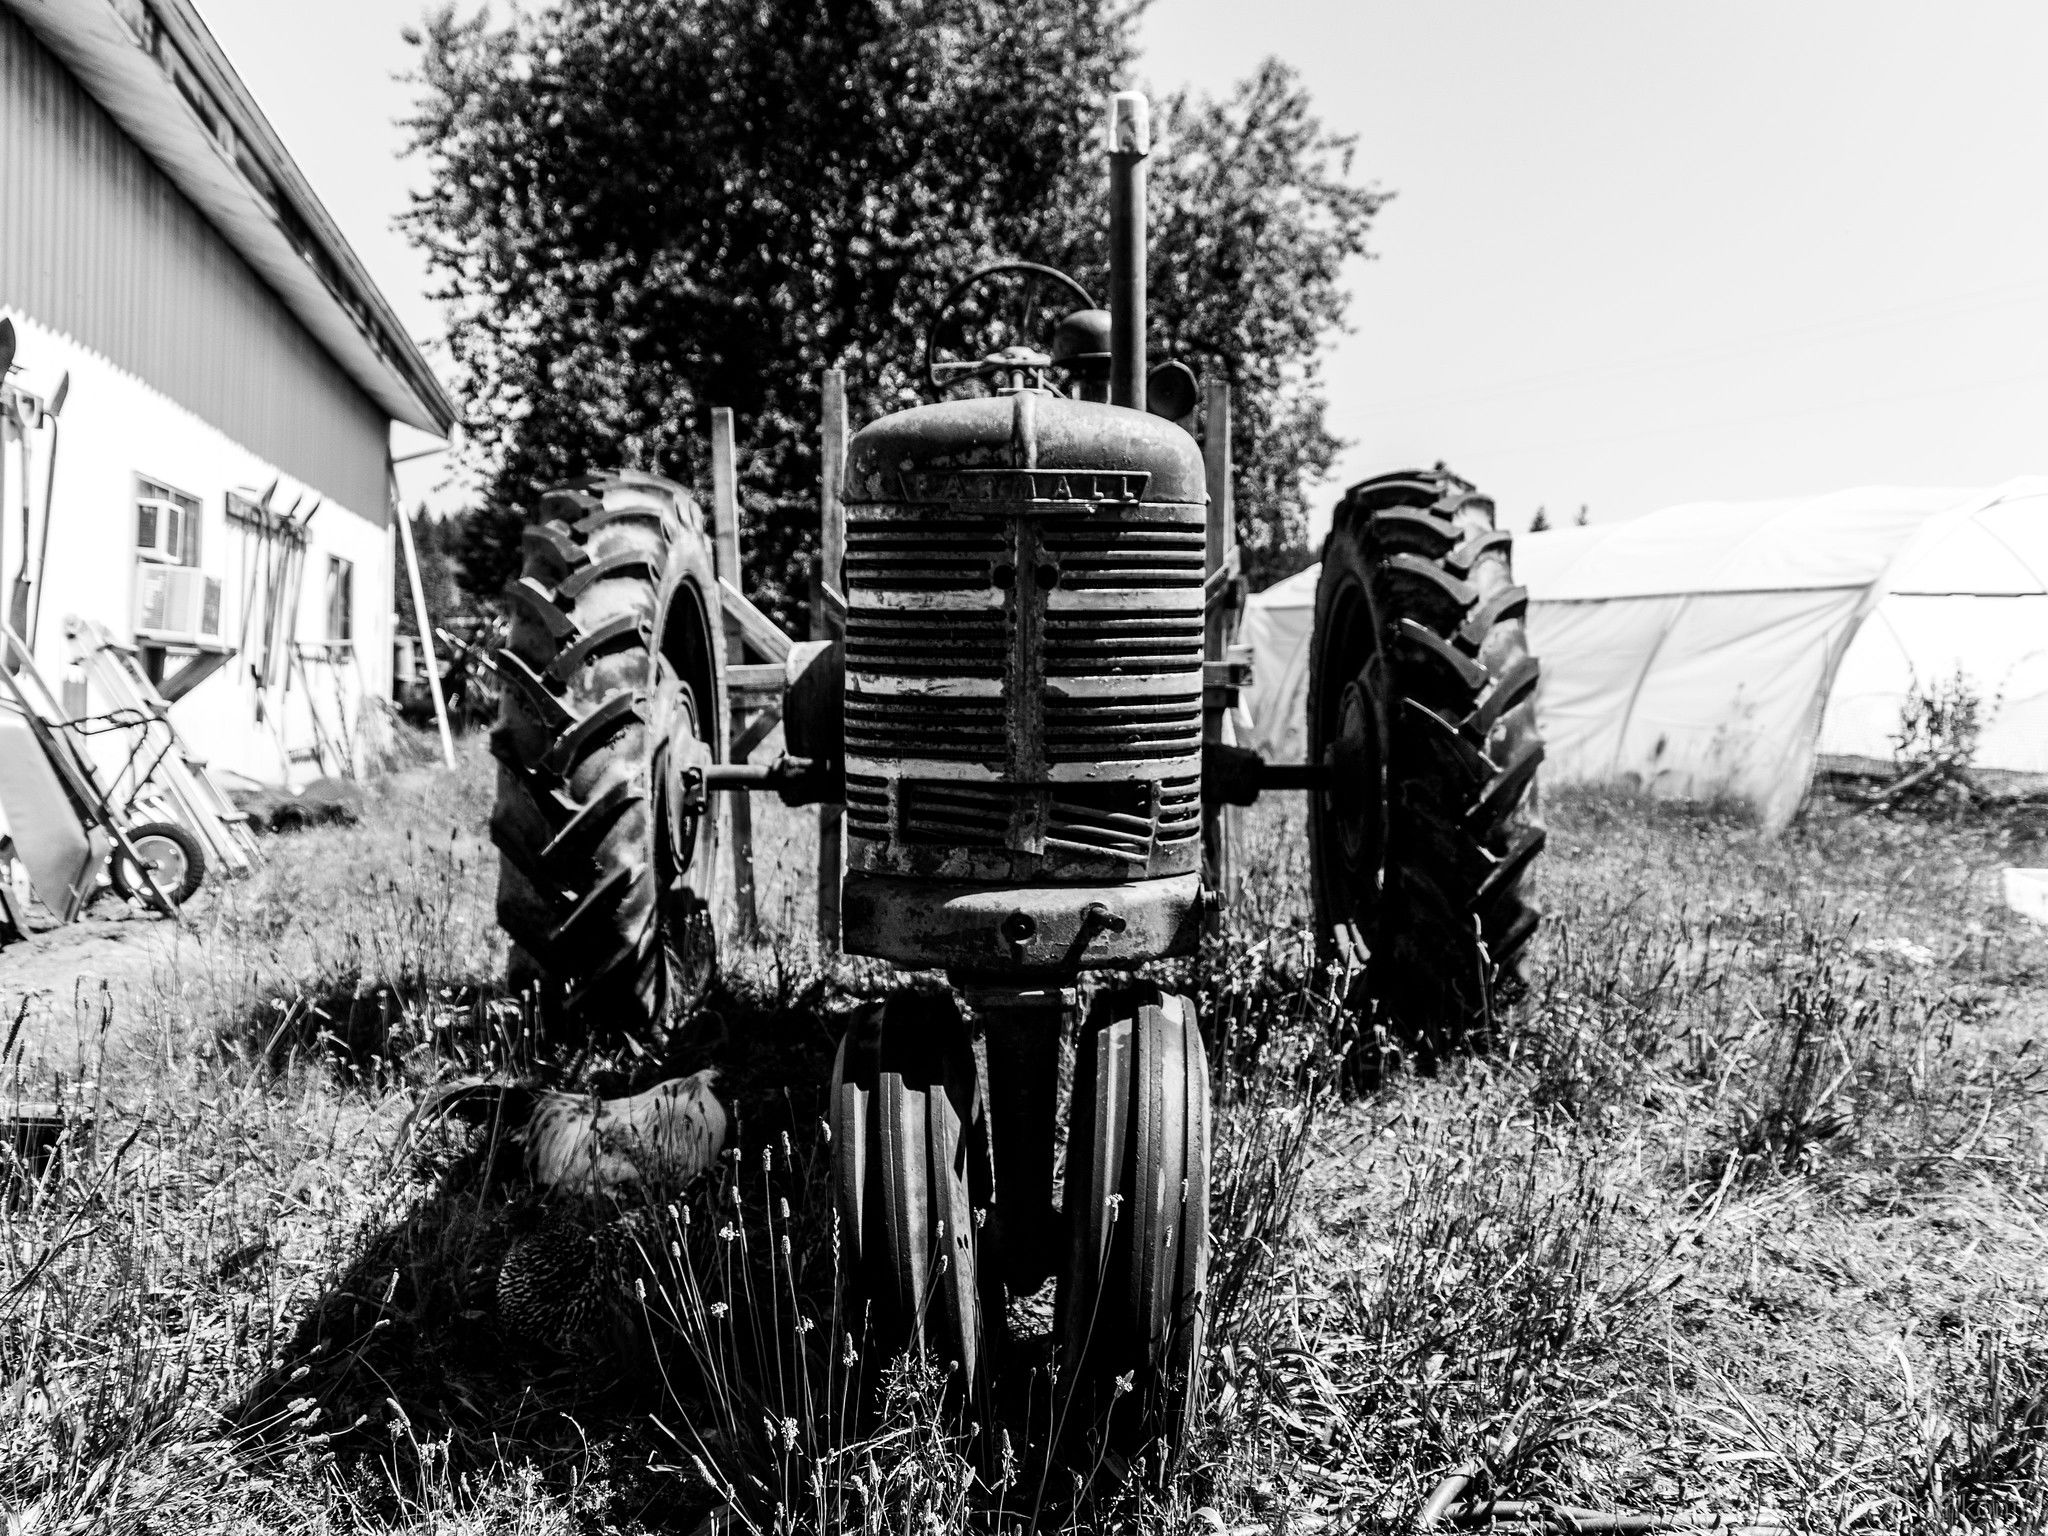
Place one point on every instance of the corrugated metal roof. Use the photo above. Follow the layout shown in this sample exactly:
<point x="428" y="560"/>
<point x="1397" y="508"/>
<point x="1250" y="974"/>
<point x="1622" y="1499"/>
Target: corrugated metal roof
<point x="97" y="244"/>
<point x="158" y="72"/>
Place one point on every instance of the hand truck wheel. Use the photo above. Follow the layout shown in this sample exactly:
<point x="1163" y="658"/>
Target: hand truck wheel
<point x="909" y="1149"/>
<point x="1137" y="1208"/>
<point x="174" y="858"/>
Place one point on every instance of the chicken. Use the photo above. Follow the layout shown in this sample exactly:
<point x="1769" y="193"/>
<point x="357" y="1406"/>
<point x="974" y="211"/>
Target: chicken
<point x="605" y="1162"/>
<point x="652" y="1143"/>
<point x="657" y="1141"/>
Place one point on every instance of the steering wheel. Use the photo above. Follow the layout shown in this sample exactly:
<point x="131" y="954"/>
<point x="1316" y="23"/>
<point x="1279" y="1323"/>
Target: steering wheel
<point x="1017" y="356"/>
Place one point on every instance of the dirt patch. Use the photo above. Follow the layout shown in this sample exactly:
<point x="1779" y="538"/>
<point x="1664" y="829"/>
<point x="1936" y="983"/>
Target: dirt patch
<point x="58" y="984"/>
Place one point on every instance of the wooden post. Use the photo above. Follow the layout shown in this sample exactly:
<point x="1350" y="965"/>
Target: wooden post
<point x="1217" y="821"/>
<point x="725" y="530"/>
<point x="831" y="557"/>
<point x="419" y="614"/>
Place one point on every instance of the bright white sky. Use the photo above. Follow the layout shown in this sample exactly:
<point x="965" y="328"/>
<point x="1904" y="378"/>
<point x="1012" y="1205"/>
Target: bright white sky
<point x="1641" y="253"/>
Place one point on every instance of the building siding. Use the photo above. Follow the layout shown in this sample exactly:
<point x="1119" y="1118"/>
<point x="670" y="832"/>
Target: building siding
<point x="97" y="243"/>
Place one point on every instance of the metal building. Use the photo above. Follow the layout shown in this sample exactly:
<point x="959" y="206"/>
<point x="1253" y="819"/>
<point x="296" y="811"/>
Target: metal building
<point x="197" y="452"/>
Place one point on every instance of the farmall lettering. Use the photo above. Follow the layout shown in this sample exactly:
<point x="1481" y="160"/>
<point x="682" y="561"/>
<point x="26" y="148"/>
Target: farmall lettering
<point x="1043" y="491"/>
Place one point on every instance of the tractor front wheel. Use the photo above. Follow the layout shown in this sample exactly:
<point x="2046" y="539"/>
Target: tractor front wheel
<point x="910" y="1156"/>
<point x="1137" y="1209"/>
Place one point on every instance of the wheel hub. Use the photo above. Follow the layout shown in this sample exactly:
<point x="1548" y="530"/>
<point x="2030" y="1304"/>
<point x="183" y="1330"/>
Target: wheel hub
<point x="1350" y="756"/>
<point x="684" y="760"/>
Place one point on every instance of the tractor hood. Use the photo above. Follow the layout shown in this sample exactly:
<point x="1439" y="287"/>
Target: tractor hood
<point x="1045" y="451"/>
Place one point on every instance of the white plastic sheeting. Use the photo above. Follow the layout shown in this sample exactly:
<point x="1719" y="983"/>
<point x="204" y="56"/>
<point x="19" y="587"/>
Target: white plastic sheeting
<point x="1971" y="595"/>
<point x="1713" y="649"/>
<point x="1276" y="626"/>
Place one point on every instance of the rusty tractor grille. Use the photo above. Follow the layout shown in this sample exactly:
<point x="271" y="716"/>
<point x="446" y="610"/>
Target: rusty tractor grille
<point x="967" y="816"/>
<point x="922" y="643"/>
<point x="1102" y="820"/>
<point x="1127" y="552"/>
<point x="867" y="806"/>
<point x="948" y="730"/>
<point x="1093" y="821"/>
<point x="1088" y="644"/>
<point x="925" y="555"/>
<point x="1180" y="810"/>
<point x="1104" y="730"/>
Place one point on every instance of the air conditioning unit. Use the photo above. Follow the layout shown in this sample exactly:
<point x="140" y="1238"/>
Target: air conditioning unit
<point x="178" y="603"/>
<point x="159" y="530"/>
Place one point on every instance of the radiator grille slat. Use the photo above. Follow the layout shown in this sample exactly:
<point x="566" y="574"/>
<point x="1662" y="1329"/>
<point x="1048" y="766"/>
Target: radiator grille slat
<point x="1092" y="644"/>
<point x="1093" y="820"/>
<point x="964" y="730"/>
<point x="1095" y="730"/>
<point x="1136" y="552"/>
<point x="918" y="644"/>
<point x="1180" y="810"/>
<point x="867" y="806"/>
<point x="928" y="555"/>
<point x="957" y="813"/>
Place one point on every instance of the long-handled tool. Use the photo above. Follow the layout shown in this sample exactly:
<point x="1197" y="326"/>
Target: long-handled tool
<point x="25" y="601"/>
<point x="51" y="412"/>
<point x="13" y="417"/>
<point x="6" y="416"/>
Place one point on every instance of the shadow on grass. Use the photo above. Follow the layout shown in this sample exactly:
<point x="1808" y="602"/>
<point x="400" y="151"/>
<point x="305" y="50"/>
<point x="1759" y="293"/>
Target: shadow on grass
<point x="402" y="1382"/>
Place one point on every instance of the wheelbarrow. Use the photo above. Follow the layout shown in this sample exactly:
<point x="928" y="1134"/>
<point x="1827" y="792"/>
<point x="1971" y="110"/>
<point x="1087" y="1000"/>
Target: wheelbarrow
<point x="63" y="827"/>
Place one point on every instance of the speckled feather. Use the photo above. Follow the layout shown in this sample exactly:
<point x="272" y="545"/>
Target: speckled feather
<point x="567" y="1284"/>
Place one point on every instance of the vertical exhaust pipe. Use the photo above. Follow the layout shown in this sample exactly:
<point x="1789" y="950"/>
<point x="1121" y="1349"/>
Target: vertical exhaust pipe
<point x="1130" y="141"/>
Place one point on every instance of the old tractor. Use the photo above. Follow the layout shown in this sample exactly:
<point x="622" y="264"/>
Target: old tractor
<point x="1020" y="705"/>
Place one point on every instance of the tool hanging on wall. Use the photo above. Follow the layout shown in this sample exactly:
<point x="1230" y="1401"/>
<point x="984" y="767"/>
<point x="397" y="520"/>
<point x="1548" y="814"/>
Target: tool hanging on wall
<point x="51" y="411"/>
<point x="6" y="366"/>
<point x="273" y="578"/>
<point x="287" y="553"/>
<point x="23" y="416"/>
<point x="286" y="650"/>
<point x="15" y="423"/>
<point x="324" y="746"/>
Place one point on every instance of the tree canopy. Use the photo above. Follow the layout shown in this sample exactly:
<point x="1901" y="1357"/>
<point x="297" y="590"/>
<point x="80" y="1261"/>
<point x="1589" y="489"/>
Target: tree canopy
<point x="437" y="541"/>
<point x="640" y="209"/>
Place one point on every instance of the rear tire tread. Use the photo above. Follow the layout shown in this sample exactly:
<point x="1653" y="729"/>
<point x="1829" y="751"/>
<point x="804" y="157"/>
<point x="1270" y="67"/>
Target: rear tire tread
<point x="1461" y="750"/>
<point x="575" y="821"/>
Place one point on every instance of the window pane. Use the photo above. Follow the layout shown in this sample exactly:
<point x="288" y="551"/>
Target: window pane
<point x="341" y="600"/>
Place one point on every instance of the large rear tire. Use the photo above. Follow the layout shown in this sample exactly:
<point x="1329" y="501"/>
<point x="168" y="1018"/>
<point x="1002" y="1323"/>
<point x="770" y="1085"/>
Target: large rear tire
<point x="1421" y="702"/>
<point x="610" y="690"/>
<point x="1132" y="1298"/>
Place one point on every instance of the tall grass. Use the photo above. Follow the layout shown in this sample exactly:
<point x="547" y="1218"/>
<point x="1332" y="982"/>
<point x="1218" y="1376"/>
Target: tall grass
<point x="1744" y="1208"/>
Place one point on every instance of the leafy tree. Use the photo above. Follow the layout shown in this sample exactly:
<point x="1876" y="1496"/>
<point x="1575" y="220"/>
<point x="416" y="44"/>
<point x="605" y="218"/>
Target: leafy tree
<point x="643" y="208"/>
<point x="1540" y="523"/>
